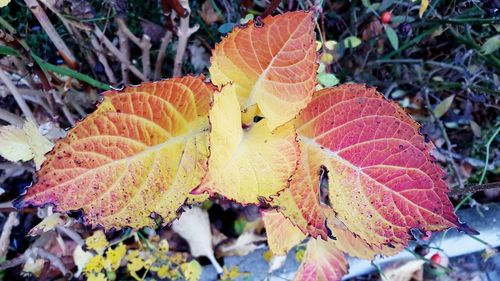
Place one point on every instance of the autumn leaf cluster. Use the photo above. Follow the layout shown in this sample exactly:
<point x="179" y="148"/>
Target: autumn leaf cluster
<point x="257" y="133"/>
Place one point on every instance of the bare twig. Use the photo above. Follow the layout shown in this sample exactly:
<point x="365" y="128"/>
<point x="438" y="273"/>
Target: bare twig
<point x="125" y="50"/>
<point x="183" y="32"/>
<point x="146" y="56"/>
<point x="449" y="152"/>
<point x="109" y="45"/>
<point x="144" y="44"/>
<point x="44" y="21"/>
<point x="102" y="59"/>
<point x="11" y="118"/>
<point x="10" y="223"/>
<point x="59" y="100"/>
<point x="71" y="234"/>
<point x="17" y="96"/>
<point x="162" y="53"/>
<point x="475" y="188"/>
<point x="54" y="260"/>
<point x="13" y="262"/>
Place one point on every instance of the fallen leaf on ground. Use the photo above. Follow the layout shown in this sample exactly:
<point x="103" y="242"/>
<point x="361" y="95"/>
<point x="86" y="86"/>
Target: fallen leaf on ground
<point x="194" y="226"/>
<point x="410" y="271"/>
<point x="24" y="144"/>
<point x="47" y="224"/>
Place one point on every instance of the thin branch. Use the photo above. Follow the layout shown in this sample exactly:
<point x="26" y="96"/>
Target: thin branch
<point x="58" y="99"/>
<point x="13" y="262"/>
<point x="449" y="152"/>
<point x="71" y="234"/>
<point x="144" y="44"/>
<point x="125" y="50"/>
<point x="11" y="118"/>
<point x="44" y="21"/>
<point x="146" y="55"/>
<point x="109" y="45"/>
<point x="183" y="32"/>
<point x="102" y="59"/>
<point x="54" y="260"/>
<point x="17" y="96"/>
<point x="162" y="54"/>
<point x="475" y="188"/>
<point x="10" y="223"/>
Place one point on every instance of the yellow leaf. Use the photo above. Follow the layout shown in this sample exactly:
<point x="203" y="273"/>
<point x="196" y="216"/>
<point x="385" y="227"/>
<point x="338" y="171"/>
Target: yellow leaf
<point x="319" y="45"/>
<point x="231" y="274"/>
<point x="97" y="242"/>
<point x="4" y="3"/>
<point x="163" y="246"/>
<point x="46" y="224"/>
<point x="95" y="264"/>
<point x="423" y="6"/>
<point x="327" y="58"/>
<point x="191" y="270"/>
<point x="330" y="44"/>
<point x="443" y="106"/>
<point x="299" y="255"/>
<point x="282" y="234"/>
<point x="114" y="257"/>
<point x="135" y="264"/>
<point x="247" y="165"/>
<point x="164" y="272"/>
<point x="24" y="144"/>
<point x="97" y="277"/>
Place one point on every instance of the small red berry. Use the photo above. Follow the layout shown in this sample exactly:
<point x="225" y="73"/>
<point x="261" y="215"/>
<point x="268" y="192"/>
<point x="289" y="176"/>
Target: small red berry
<point x="436" y="258"/>
<point x="386" y="17"/>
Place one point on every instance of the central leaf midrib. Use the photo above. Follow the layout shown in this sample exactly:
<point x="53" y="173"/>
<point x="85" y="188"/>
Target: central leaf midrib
<point x="250" y="100"/>
<point x="157" y="147"/>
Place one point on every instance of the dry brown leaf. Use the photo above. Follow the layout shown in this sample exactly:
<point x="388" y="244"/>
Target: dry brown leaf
<point x="194" y="226"/>
<point x="246" y="243"/>
<point x="410" y="271"/>
<point x="208" y="14"/>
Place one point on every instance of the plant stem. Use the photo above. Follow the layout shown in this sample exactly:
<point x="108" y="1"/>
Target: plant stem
<point x="17" y="96"/>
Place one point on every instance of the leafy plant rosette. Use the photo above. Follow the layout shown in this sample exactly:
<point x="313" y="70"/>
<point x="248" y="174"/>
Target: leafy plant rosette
<point x="151" y="148"/>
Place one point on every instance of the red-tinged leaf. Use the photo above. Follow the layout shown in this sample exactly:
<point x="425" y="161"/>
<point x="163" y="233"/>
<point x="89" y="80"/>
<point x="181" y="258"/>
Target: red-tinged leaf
<point x="282" y="234"/>
<point x="322" y="261"/>
<point x="300" y="202"/>
<point x="141" y="152"/>
<point x="273" y="66"/>
<point x="382" y="179"/>
<point x="352" y="244"/>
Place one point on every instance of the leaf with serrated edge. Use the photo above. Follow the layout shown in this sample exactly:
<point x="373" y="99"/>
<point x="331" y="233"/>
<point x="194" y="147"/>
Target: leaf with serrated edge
<point x="282" y="234"/>
<point x="382" y="180"/>
<point x="141" y="152"/>
<point x="273" y="66"/>
<point x="300" y="202"/>
<point x="247" y="164"/>
<point x="322" y="261"/>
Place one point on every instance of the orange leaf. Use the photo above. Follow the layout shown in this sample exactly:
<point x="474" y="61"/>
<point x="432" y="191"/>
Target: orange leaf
<point x="300" y="202"/>
<point x="273" y="66"/>
<point x="282" y="234"/>
<point x="141" y="152"/>
<point x="322" y="261"/>
<point x="382" y="180"/>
